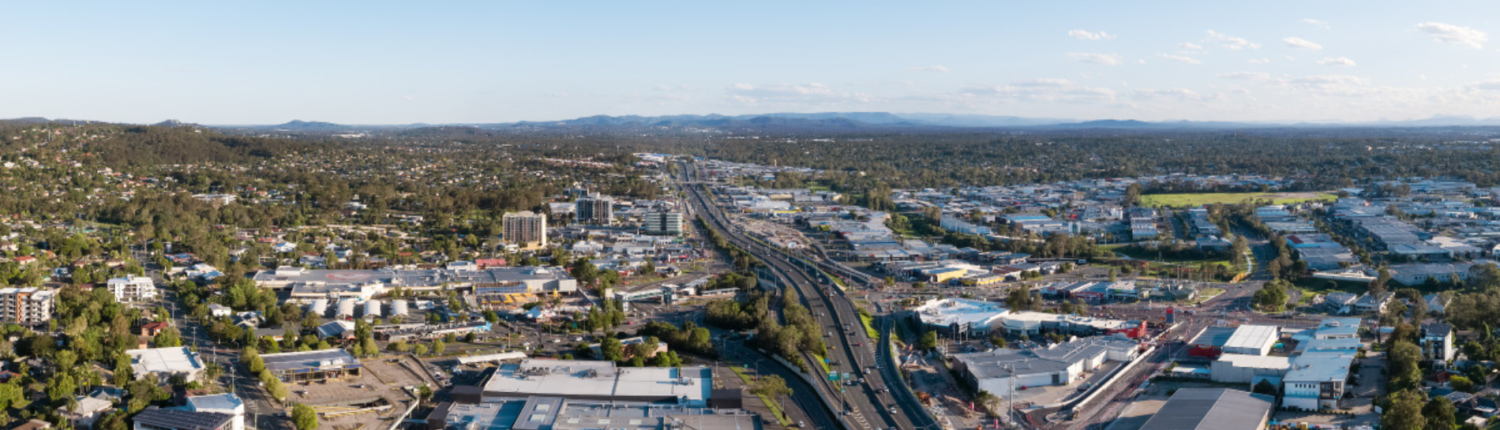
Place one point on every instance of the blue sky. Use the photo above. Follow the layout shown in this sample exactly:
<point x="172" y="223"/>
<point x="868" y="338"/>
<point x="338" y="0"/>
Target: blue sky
<point x="444" y="62"/>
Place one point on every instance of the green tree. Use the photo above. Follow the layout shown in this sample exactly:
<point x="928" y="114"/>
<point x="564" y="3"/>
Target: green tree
<point x="1439" y="413"/>
<point x="304" y="417"/>
<point x="251" y="358"/>
<point x="997" y="340"/>
<point x="929" y="340"/>
<point x="771" y="386"/>
<point x="610" y="349"/>
<point x="1461" y="383"/>
<point x="60" y="388"/>
<point x="1403" y="412"/>
<point x="167" y="338"/>
<point x="1403" y="369"/>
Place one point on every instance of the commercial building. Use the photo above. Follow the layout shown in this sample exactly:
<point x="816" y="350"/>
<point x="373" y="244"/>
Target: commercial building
<point x="26" y="306"/>
<point x="320" y="365"/>
<point x="979" y="318"/>
<point x="1212" y="409"/>
<point x="527" y="229"/>
<point x="1060" y="364"/>
<point x="154" y="418"/>
<point x="165" y="362"/>
<point x="1209" y="342"/>
<point x="1337" y="328"/>
<point x="1316" y="380"/>
<point x="558" y="413"/>
<point x="1252" y="340"/>
<point x="960" y="316"/>
<point x="132" y="289"/>
<point x="595" y="210"/>
<point x="602" y="381"/>
<point x="1249" y="369"/>
<point x="663" y="223"/>
<point x="1318" y="372"/>
<point x="310" y="285"/>
<point x="1033" y="324"/>
<point x="958" y="225"/>
<point x="427" y="331"/>
<point x="1416" y="274"/>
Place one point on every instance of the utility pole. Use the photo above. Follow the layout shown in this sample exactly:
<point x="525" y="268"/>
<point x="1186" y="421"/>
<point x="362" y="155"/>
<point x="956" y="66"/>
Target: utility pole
<point x="1010" y="404"/>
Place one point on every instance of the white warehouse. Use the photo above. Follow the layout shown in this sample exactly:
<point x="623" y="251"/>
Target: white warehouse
<point x="999" y="370"/>
<point x="1249" y="369"/>
<point x="1252" y="340"/>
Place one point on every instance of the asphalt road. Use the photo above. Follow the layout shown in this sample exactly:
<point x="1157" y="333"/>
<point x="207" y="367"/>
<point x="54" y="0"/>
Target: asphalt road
<point x="265" y="413"/>
<point x="852" y="350"/>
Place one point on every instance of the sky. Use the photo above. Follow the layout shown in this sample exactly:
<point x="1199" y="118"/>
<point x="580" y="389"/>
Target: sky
<point x="375" y="62"/>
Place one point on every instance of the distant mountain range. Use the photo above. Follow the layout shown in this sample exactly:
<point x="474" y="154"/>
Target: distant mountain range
<point x="827" y="120"/>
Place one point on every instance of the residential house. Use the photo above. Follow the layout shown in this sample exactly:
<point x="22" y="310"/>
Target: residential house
<point x="218" y="310"/>
<point x="1368" y="303"/>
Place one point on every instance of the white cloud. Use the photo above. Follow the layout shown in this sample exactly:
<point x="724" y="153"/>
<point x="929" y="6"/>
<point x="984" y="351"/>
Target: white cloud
<point x="1338" y="85"/>
<point x="1337" y="61"/>
<point x="1166" y="93"/>
<point x="811" y="93"/>
<point x="1181" y="59"/>
<point x="933" y="68"/>
<point x="1316" y="22"/>
<point x="1086" y="35"/>
<point x="1300" y="43"/>
<point x="1489" y="85"/>
<point x="1253" y="76"/>
<point x="1230" y="42"/>
<point x="1100" y="59"/>
<point x="1449" y="33"/>
<point x="1260" y="61"/>
<point x="1042" y="90"/>
<point x="1190" y="46"/>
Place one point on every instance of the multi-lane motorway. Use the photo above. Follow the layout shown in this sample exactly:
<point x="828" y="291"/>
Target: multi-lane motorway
<point x="868" y="404"/>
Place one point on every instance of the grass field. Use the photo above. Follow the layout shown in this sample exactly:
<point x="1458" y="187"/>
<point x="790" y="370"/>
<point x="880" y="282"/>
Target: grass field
<point x="869" y="321"/>
<point x="1186" y="200"/>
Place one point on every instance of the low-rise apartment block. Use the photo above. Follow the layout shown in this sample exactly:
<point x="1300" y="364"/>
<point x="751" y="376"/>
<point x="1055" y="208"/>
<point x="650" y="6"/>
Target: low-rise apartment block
<point x="132" y="289"/>
<point x="26" y="306"/>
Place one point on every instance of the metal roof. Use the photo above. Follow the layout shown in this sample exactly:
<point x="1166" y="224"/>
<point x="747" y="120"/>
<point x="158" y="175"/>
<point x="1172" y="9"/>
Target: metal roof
<point x="1213" y="337"/>
<point x="289" y="361"/>
<point x="1211" y="408"/>
<point x="1252" y="337"/>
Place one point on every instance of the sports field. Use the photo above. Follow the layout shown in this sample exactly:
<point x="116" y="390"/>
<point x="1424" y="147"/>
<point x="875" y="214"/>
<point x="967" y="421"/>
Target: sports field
<point x="1183" y="200"/>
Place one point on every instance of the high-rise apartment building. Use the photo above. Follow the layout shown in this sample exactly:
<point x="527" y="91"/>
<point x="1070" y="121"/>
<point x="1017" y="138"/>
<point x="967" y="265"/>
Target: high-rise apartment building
<point x="527" y="229"/>
<point x="595" y="210"/>
<point x="663" y="223"/>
